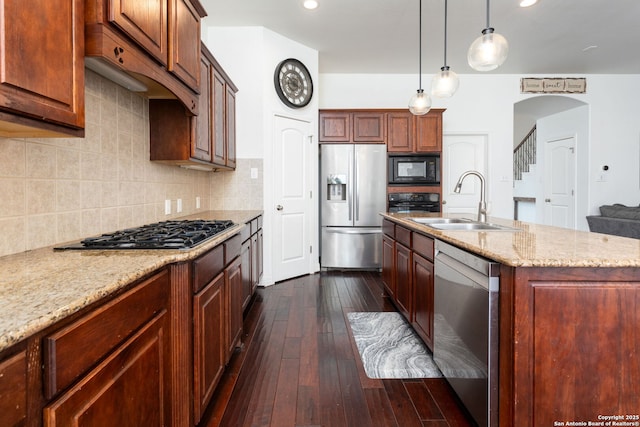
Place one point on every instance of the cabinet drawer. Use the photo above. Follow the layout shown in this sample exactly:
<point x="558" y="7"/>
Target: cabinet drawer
<point x="403" y="235"/>
<point x="74" y="349"/>
<point x="232" y="248"/>
<point x="207" y="267"/>
<point x="389" y="228"/>
<point x="13" y="390"/>
<point x="245" y="233"/>
<point x="423" y="245"/>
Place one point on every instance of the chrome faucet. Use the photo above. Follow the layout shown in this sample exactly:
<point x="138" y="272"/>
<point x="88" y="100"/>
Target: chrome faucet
<point x="482" y="206"/>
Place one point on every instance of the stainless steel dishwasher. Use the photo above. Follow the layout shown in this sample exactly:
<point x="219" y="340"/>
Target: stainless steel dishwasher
<point x="465" y="344"/>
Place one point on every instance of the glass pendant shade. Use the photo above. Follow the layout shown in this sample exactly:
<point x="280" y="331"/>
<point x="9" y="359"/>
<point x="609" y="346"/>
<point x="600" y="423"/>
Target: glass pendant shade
<point x="445" y="83"/>
<point x="420" y="103"/>
<point x="488" y="51"/>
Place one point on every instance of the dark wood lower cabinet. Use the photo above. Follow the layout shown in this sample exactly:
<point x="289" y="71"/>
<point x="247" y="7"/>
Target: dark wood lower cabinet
<point x="570" y="345"/>
<point x="209" y="344"/>
<point x="129" y="388"/>
<point x="423" y="295"/>
<point x="388" y="262"/>
<point x="13" y="390"/>
<point x="403" y="280"/>
<point x="233" y="288"/>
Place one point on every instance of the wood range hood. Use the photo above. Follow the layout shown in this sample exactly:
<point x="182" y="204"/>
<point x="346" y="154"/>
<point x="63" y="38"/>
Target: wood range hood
<point x="114" y="57"/>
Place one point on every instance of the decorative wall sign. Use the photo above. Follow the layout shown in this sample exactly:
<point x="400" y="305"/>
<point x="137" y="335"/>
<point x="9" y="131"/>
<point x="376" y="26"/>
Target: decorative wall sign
<point x="553" y="85"/>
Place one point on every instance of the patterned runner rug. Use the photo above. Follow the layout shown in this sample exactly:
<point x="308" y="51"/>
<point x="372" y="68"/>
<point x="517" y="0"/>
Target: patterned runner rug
<point x="389" y="347"/>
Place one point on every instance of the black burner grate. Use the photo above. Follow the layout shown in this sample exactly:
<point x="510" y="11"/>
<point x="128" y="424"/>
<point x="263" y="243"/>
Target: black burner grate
<point x="182" y="234"/>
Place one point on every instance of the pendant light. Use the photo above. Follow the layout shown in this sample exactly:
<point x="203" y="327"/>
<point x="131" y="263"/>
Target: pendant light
<point x="420" y="103"/>
<point x="489" y="50"/>
<point x="446" y="82"/>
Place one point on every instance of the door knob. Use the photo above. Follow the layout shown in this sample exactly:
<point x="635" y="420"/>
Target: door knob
<point x="279" y="207"/>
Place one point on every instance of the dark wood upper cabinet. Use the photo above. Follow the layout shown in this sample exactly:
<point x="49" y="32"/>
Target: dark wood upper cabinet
<point x="401" y="132"/>
<point x="415" y="134"/>
<point x="353" y="126"/>
<point x="145" y="22"/>
<point x="207" y="140"/>
<point x="42" y="79"/>
<point x="369" y="127"/>
<point x="184" y="32"/>
<point x="157" y="41"/>
<point x="335" y="126"/>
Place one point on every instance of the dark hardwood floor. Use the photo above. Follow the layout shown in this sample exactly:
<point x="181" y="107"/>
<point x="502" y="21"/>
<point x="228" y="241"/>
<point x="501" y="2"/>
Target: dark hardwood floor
<point x="300" y="367"/>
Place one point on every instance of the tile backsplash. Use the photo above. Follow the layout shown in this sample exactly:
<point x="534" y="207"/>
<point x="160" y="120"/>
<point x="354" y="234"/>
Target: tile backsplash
<point x="56" y="190"/>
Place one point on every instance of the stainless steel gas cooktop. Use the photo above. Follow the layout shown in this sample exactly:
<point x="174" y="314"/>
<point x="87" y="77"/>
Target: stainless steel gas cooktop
<point x="184" y="234"/>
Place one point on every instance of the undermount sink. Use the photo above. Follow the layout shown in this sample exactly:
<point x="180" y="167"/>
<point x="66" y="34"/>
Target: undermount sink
<point x="460" y="224"/>
<point x="472" y="226"/>
<point x="440" y="220"/>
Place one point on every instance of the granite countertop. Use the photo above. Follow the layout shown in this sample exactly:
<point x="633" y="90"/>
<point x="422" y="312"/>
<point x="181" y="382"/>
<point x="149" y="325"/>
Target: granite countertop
<point x="40" y="287"/>
<point x="535" y="245"/>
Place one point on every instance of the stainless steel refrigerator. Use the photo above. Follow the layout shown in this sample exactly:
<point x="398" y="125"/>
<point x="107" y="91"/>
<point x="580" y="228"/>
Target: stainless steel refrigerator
<point x="353" y="179"/>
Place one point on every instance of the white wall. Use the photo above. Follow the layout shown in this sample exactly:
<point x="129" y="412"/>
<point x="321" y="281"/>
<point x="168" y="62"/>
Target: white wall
<point x="250" y="55"/>
<point x="484" y="104"/>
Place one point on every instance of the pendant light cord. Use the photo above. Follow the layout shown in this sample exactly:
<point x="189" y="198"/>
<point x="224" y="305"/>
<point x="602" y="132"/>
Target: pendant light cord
<point x="488" y="26"/>
<point x="445" y="33"/>
<point x="420" y="47"/>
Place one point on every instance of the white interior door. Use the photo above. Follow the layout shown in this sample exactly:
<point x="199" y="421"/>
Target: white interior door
<point x="461" y="153"/>
<point x="293" y="217"/>
<point x="560" y="182"/>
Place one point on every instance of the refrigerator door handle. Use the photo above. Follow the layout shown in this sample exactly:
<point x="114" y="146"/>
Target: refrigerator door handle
<point x="350" y="185"/>
<point x="356" y="187"/>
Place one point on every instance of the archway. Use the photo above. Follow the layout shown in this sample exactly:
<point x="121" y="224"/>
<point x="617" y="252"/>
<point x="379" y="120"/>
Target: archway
<point x="555" y="117"/>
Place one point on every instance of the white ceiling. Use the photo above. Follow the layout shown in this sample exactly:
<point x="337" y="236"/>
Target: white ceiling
<point x="381" y="36"/>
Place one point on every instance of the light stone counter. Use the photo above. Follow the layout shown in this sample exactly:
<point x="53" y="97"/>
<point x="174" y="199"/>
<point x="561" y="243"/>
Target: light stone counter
<point x="535" y="245"/>
<point x="40" y="287"/>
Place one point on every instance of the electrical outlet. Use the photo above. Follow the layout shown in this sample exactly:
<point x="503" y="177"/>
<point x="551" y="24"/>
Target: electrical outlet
<point x="197" y="202"/>
<point x="254" y="173"/>
<point x="167" y="207"/>
<point x="179" y="205"/>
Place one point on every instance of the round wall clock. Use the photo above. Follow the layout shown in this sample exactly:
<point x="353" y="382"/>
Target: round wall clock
<point x="293" y="83"/>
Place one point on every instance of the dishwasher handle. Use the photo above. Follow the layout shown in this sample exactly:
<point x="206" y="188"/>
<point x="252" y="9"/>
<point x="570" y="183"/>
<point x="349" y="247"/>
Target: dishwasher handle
<point x="492" y="284"/>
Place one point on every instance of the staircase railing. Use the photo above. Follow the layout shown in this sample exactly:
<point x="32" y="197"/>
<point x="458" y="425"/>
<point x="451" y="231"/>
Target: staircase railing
<point x="524" y="154"/>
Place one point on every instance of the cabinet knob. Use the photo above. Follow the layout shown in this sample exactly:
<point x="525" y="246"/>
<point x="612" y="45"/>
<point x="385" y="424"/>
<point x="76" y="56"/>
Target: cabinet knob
<point x="279" y="207"/>
<point x="547" y="200"/>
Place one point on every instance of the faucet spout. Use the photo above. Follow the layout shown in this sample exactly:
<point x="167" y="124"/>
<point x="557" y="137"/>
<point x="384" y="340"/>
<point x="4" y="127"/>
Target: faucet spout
<point x="482" y="206"/>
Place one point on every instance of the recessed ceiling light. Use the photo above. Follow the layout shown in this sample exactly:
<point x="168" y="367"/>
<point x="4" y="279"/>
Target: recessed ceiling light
<point x="310" y="4"/>
<point x="527" y="3"/>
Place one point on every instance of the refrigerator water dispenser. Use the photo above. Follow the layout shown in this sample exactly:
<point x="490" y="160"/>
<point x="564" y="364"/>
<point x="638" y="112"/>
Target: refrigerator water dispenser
<point x="337" y="188"/>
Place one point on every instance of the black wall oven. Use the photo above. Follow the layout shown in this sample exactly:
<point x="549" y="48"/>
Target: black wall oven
<point x="414" y="169"/>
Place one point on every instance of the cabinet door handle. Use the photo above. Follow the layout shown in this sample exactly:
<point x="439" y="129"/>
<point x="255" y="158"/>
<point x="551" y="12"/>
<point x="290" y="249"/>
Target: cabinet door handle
<point x="547" y="200"/>
<point x="279" y="207"/>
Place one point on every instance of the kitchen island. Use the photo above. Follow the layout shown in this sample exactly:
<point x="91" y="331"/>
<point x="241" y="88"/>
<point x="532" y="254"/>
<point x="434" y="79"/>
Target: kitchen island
<point x="82" y="304"/>
<point x="569" y="319"/>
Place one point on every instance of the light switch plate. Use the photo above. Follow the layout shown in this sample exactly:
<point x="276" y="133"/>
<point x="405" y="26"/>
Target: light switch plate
<point x="167" y="207"/>
<point x="254" y="173"/>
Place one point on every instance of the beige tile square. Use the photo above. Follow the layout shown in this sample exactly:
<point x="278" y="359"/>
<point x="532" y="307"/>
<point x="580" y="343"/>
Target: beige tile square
<point x="41" y="161"/>
<point x="13" y="193"/>
<point x="41" y="196"/>
<point x="69" y="226"/>
<point x="68" y="195"/>
<point x="41" y="231"/>
<point x="67" y="164"/>
<point x="12" y="157"/>
<point x="13" y="235"/>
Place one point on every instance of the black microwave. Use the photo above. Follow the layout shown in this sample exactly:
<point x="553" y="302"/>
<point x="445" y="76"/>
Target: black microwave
<point x="414" y="169"/>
